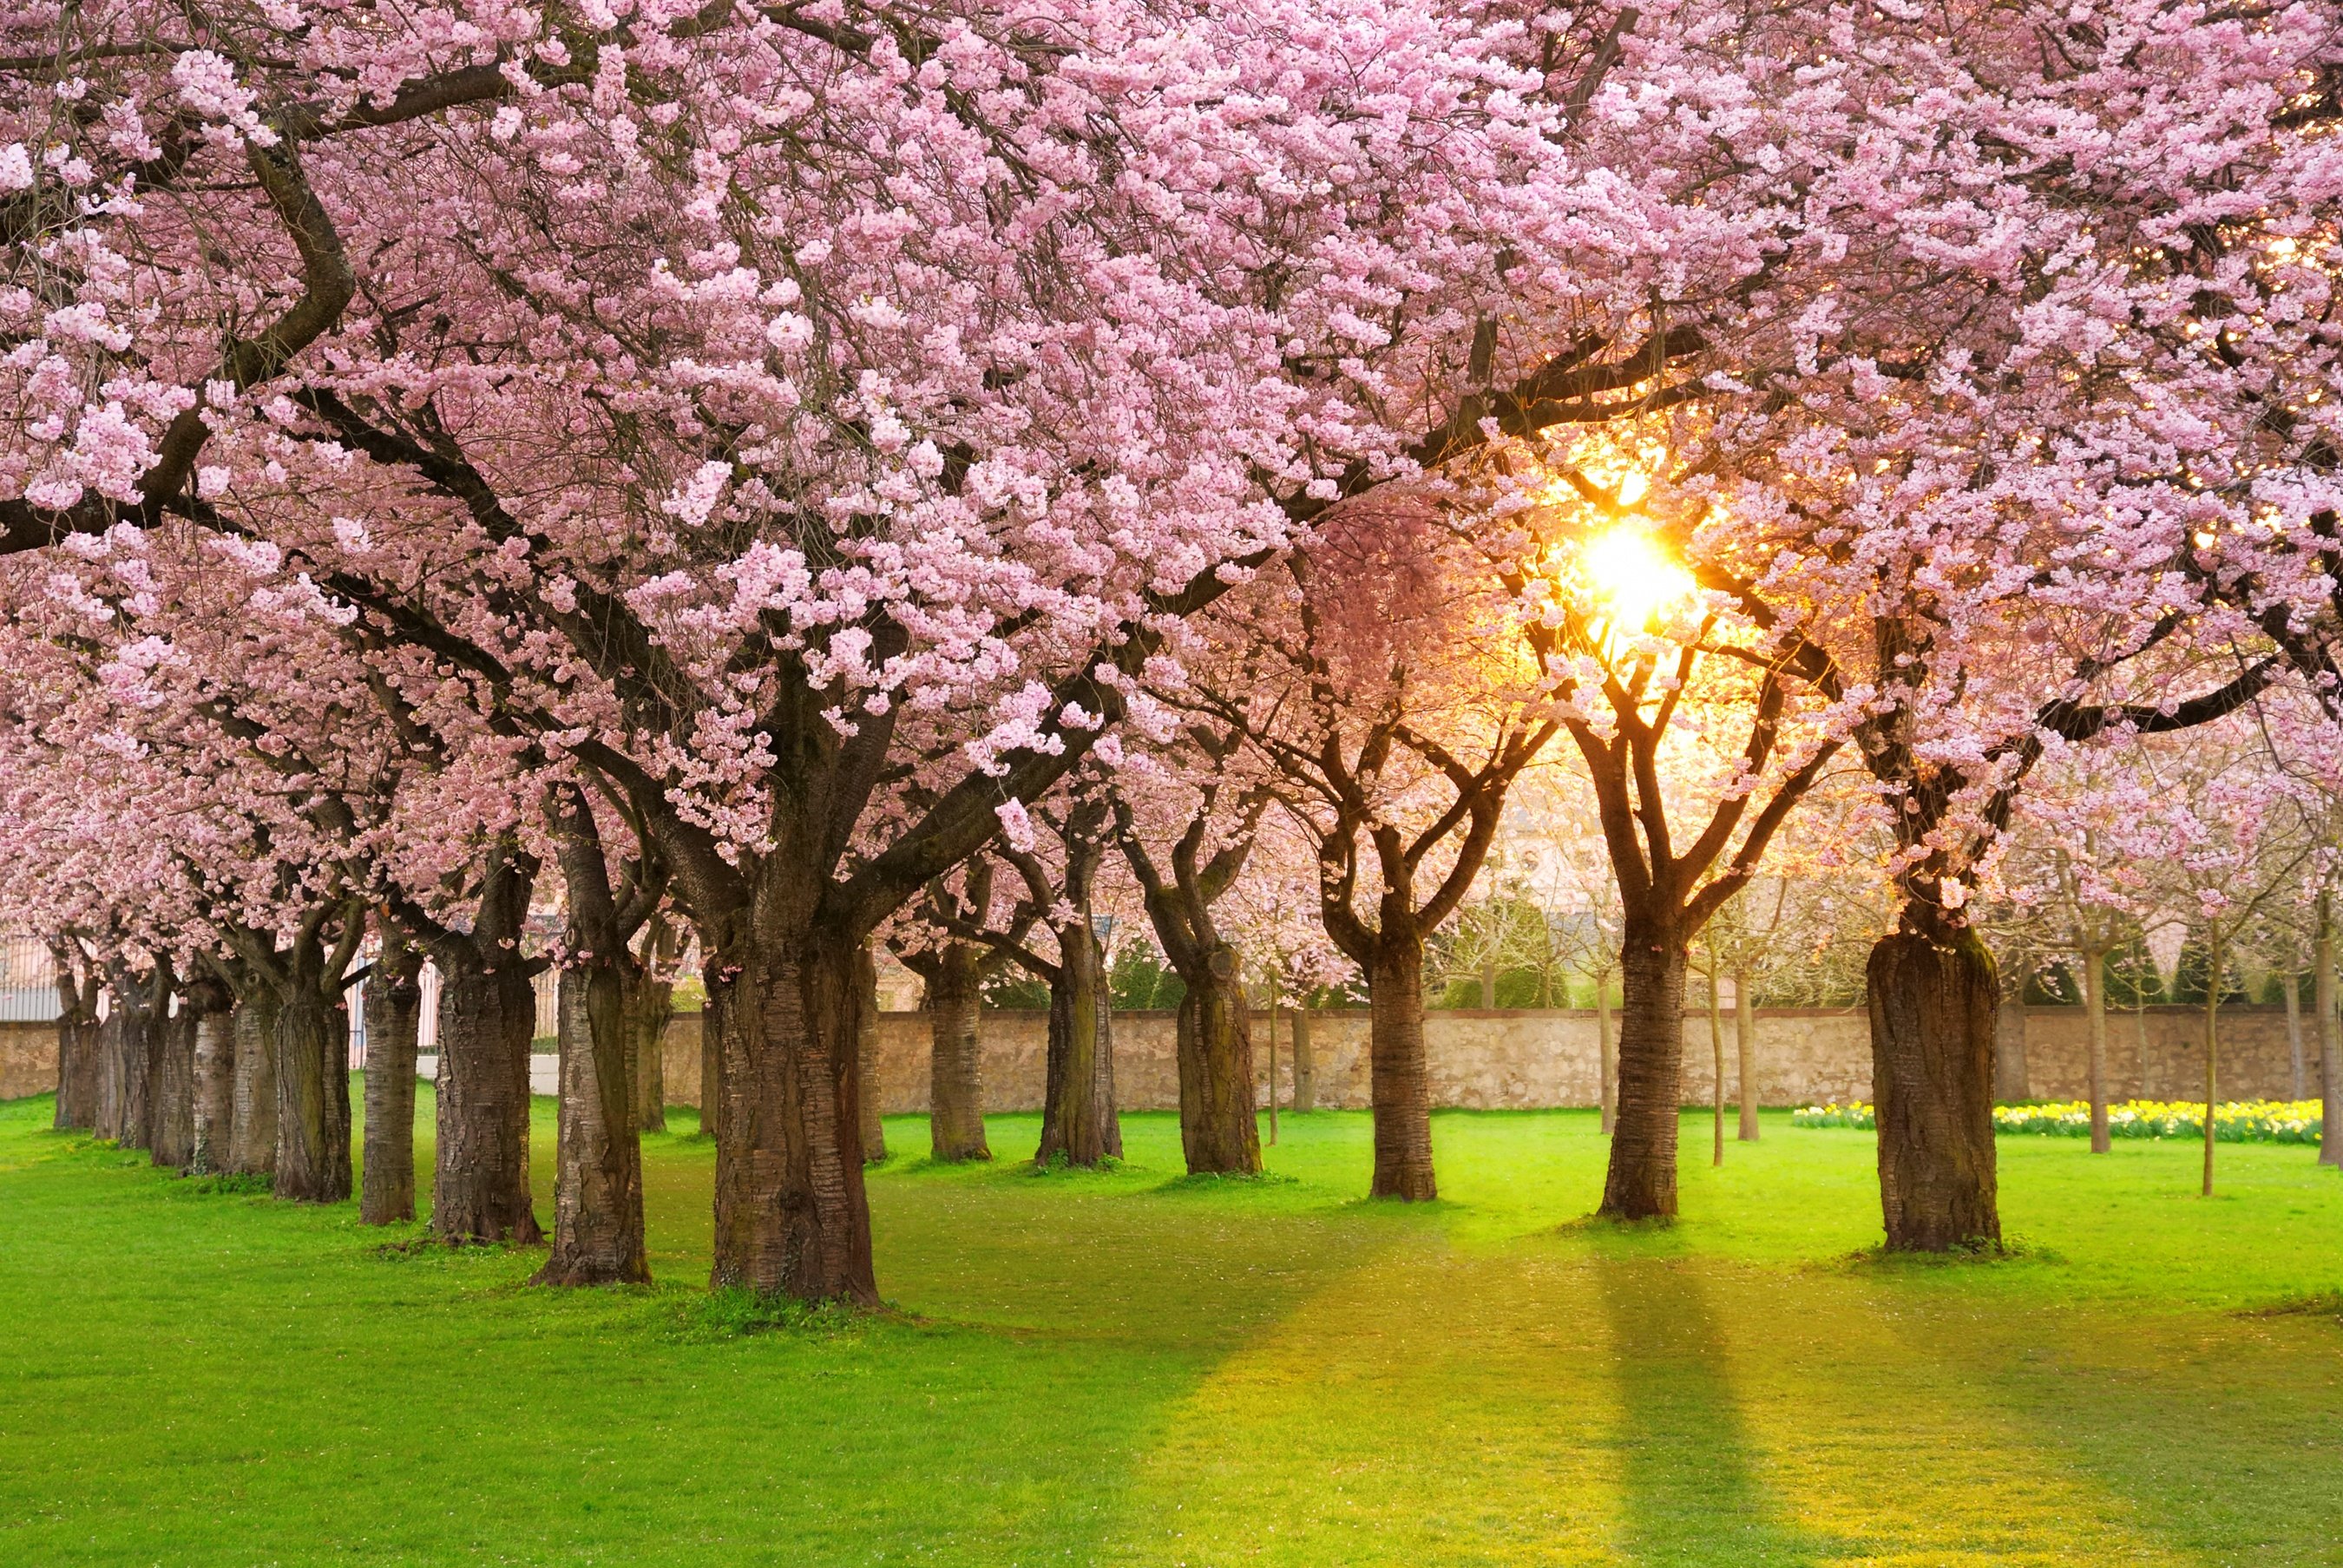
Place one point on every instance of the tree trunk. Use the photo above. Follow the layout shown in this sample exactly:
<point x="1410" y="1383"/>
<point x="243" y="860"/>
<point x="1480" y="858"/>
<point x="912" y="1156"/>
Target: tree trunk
<point x="956" y="1061"/>
<point x="480" y="1184"/>
<point x="313" y="1090"/>
<point x="394" y="1020"/>
<point x="78" y="1048"/>
<point x="2095" y="1018"/>
<point x="122" y="1067"/>
<point x="790" y="1215"/>
<point x="715" y="985"/>
<point x="2217" y="957"/>
<point x="648" y="1002"/>
<point x="1401" y="1080"/>
<point x="1641" y="1183"/>
<point x="211" y="1133"/>
<point x="1744" y="1044"/>
<point x="597" y="1185"/>
<point x="1609" y="1064"/>
<point x="1078" y="1112"/>
<point x="106" y="1107"/>
<point x="2330" y="1038"/>
<point x="1217" y="1132"/>
<point x="78" y="1070"/>
<point x="252" y="1130"/>
<point x="870" y="1120"/>
<point x="1305" y="1063"/>
<point x="1932" y="1005"/>
<point x="1103" y="1098"/>
<point x="171" y="1100"/>
<point x="137" y="1046"/>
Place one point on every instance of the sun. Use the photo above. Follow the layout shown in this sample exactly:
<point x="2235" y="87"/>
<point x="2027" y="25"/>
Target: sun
<point x="1634" y="576"/>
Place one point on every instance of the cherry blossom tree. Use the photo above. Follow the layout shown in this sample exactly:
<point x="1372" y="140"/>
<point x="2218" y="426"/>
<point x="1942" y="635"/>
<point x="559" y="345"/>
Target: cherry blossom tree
<point x="1937" y="425"/>
<point x="1187" y="818"/>
<point x="1384" y="689"/>
<point x="823" y="541"/>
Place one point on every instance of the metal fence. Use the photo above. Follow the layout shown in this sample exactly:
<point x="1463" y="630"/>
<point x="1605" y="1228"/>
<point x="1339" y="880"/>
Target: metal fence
<point x="28" y="994"/>
<point x="427" y="1030"/>
<point x="28" y="981"/>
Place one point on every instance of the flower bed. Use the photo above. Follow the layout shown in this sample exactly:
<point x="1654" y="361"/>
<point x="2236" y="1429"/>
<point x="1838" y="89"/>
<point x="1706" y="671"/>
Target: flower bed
<point x="1857" y="1114"/>
<point x="2234" y="1122"/>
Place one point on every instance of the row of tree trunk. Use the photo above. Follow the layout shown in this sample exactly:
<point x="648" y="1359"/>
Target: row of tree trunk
<point x="254" y="1079"/>
<point x="207" y="1082"/>
<point x="211" y="1082"/>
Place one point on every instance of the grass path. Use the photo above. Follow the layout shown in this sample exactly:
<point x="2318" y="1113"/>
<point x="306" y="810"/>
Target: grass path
<point x="1131" y="1369"/>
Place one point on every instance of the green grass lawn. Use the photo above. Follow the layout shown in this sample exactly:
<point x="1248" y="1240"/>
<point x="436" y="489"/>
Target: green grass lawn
<point x="1133" y="1369"/>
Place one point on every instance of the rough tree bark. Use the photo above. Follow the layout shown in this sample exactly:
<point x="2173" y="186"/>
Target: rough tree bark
<point x="597" y="1186"/>
<point x="714" y="984"/>
<point x="1641" y="1180"/>
<point x="1607" y="1053"/>
<point x="869" y="1122"/>
<point x="956" y="1062"/>
<point x="171" y="1101"/>
<point x="1214" y="1043"/>
<point x="597" y="1192"/>
<point x="1744" y="1043"/>
<point x="394" y="1020"/>
<point x="141" y="1018"/>
<point x="252" y="1133"/>
<point x="214" y="1110"/>
<point x="1400" y="1079"/>
<point x="1078" y="1122"/>
<point x="488" y="1014"/>
<point x="1933" y="998"/>
<point x="1212" y="1036"/>
<point x="77" y="1040"/>
<point x="790" y="1215"/>
<point x="106" y="1105"/>
<point x="313" y="1072"/>
<point x="123" y="1060"/>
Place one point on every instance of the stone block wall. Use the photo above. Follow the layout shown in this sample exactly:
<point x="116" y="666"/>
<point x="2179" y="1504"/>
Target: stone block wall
<point x="1528" y="1059"/>
<point x="2158" y="1053"/>
<point x="1515" y="1059"/>
<point x="28" y="1059"/>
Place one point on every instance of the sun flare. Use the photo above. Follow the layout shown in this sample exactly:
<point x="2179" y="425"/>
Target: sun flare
<point x="1634" y="577"/>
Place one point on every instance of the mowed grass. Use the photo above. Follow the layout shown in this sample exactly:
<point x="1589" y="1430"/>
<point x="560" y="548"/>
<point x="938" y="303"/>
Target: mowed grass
<point x="1130" y="1368"/>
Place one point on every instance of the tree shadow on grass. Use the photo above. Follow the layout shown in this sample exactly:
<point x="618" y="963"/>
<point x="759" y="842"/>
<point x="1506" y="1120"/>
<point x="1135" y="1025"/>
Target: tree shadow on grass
<point x="2199" y="1436"/>
<point x="1688" y="1492"/>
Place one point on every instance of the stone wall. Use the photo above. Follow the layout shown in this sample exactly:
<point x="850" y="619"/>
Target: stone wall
<point x="2256" y="1060"/>
<point x="1523" y="1059"/>
<point x="28" y="1059"/>
<point x="1510" y="1060"/>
